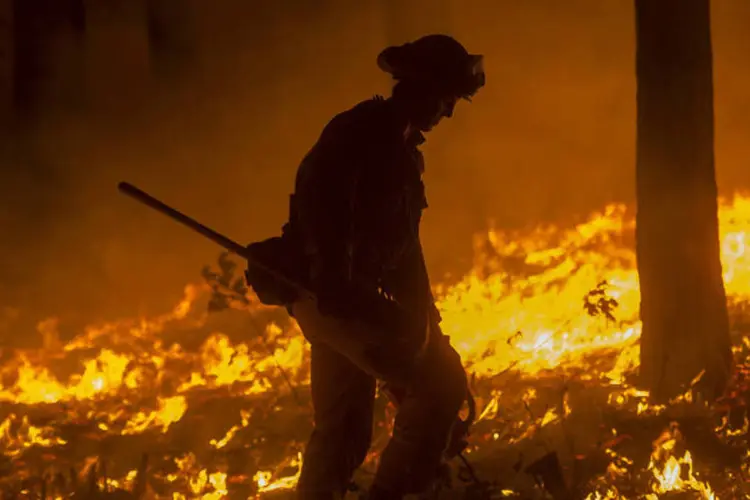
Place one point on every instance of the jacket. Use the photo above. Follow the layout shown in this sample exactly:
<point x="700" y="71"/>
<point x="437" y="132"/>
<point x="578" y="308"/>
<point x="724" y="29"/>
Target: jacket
<point x="358" y="204"/>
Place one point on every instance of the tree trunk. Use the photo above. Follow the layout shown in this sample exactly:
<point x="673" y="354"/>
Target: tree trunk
<point x="683" y="302"/>
<point x="47" y="55"/>
<point x="6" y="62"/>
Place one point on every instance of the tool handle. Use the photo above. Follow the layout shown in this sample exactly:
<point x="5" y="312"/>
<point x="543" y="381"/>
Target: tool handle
<point x="176" y="215"/>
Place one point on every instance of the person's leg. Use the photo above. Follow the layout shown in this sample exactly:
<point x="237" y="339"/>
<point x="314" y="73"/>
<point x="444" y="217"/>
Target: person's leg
<point x="424" y="421"/>
<point x="343" y="398"/>
<point x="436" y="390"/>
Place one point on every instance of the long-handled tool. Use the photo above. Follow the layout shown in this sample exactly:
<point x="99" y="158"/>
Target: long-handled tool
<point x="218" y="238"/>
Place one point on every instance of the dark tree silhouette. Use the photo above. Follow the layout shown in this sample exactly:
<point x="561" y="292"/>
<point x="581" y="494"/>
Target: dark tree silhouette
<point x="47" y="54"/>
<point x="683" y="302"/>
<point x="6" y="63"/>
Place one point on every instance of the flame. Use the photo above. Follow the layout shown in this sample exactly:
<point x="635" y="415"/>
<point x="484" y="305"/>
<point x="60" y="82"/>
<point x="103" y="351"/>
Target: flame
<point x="15" y="435"/>
<point x="170" y="411"/>
<point x="267" y="484"/>
<point x="675" y="474"/>
<point x="520" y="310"/>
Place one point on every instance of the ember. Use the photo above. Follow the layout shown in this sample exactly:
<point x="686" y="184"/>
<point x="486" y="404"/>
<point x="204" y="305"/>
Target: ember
<point x="184" y="405"/>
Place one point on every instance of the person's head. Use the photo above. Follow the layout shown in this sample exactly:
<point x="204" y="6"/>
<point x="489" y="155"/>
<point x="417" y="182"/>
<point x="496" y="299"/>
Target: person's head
<point x="432" y="74"/>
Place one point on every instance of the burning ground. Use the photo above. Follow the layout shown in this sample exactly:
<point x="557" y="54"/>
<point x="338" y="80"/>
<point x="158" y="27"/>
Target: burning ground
<point x="210" y="400"/>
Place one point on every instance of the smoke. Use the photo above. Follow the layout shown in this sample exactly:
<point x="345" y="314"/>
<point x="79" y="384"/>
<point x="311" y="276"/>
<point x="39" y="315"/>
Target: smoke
<point x="219" y="133"/>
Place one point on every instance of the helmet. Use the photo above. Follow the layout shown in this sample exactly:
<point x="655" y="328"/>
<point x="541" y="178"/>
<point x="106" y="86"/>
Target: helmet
<point x="438" y="60"/>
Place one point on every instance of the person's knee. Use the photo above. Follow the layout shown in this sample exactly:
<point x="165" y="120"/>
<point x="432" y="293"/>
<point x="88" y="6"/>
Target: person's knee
<point x="453" y="393"/>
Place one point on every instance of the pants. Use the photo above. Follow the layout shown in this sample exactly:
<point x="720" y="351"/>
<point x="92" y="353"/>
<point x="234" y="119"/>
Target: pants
<point x="348" y="357"/>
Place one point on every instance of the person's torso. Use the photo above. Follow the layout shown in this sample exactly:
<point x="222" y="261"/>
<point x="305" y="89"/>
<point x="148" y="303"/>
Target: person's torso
<point x="388" y="196"/>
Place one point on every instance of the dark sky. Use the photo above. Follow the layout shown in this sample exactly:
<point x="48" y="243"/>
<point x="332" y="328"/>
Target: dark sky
<point x="550" y="138"/>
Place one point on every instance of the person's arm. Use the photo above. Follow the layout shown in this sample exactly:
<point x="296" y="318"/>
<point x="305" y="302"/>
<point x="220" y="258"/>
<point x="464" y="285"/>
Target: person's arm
<point x="326" y="196"/>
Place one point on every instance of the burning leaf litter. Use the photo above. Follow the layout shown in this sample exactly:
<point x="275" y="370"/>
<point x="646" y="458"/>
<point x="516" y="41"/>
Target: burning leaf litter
<point x="195" y="405"/>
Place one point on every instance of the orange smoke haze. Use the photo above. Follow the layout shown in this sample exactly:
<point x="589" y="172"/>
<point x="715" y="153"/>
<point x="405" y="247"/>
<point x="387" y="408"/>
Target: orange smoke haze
<point x="550" y="138"/>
